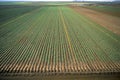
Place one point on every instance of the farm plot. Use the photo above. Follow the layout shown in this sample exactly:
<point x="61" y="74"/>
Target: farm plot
<point x="107" y="21"/>
<point x="107" y="9"/>
<point x="57" y="40"/>
<point x="9" y="12"/>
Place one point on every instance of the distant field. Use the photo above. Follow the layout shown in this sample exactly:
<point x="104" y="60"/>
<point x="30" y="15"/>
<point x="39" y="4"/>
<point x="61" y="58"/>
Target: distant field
<point x="115" y="11"/>
<point x="108" y="9"/>
<point x="9" y="12"/>
<point x="55" y="40"/>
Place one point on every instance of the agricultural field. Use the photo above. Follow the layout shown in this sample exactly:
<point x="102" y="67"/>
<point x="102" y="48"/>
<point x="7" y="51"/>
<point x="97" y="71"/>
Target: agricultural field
<point x="112" y="9"/>
<point x="51" y="40"/>
<point x="12" y="11"/>
<point x="104" y="14"/>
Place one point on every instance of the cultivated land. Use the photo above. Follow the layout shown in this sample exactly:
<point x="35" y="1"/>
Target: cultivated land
<point x="56" y="40"/>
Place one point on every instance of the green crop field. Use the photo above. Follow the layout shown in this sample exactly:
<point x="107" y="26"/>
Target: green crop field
<point x="56" y="39"/>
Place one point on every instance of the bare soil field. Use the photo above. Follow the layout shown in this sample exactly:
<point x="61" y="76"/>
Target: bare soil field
<point x="110" y="22"/>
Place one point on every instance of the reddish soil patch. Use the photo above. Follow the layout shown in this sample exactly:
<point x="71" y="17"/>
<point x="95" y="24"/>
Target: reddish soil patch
<point x="110" y="22"/>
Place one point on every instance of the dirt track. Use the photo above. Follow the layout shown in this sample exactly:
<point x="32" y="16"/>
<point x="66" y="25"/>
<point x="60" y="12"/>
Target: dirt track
<point x="112" y="23"/>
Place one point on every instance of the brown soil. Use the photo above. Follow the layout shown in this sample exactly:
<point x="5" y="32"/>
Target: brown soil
<point x="110" y="22"/>
<point x="63" y="76"/>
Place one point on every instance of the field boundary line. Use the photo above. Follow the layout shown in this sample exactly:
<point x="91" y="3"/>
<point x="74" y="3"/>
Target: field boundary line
<point x="67" y="35"/>
<point x="108" y="34"/>
<point x="116" y="40"/>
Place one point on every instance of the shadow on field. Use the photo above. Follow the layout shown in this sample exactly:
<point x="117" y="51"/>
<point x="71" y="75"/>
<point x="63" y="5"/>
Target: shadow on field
<point x="64" y="77"/>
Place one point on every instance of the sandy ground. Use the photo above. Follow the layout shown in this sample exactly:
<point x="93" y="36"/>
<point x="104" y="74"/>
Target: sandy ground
<point x="110" y="22"/>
